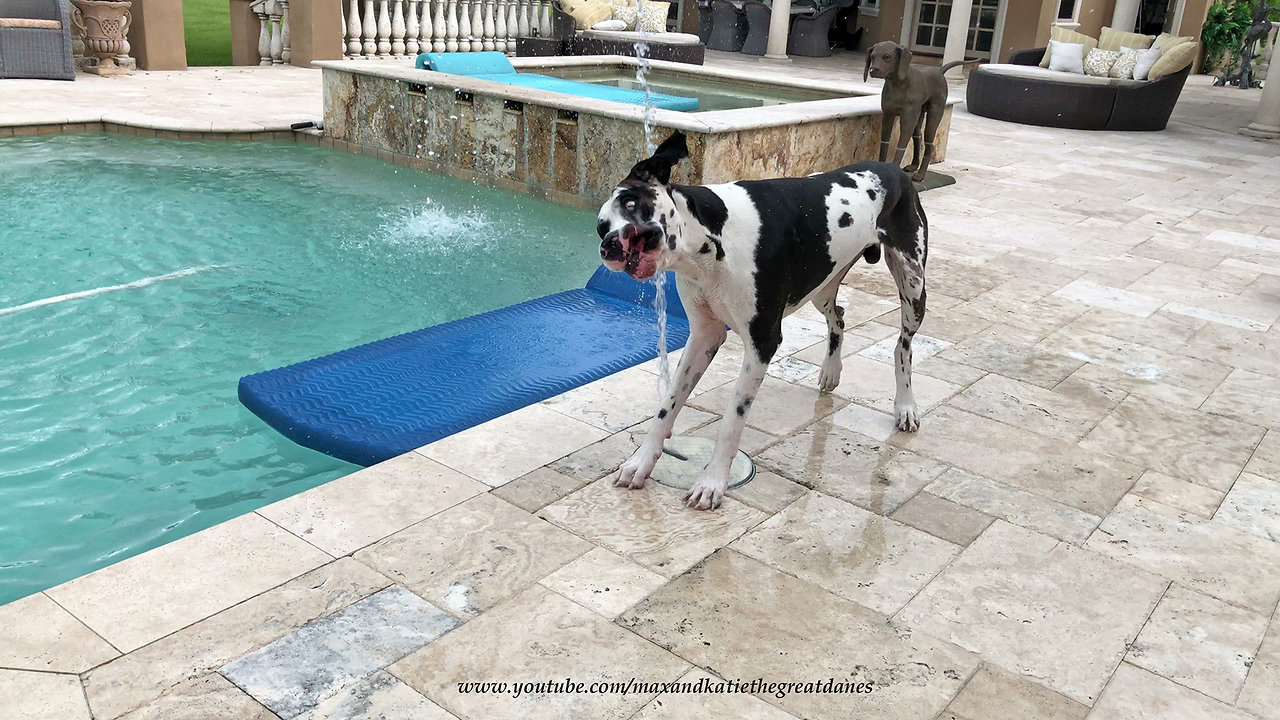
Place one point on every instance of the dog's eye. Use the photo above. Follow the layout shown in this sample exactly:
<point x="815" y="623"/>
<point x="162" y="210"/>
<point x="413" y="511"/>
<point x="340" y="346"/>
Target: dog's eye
<point x="631" y="206"/>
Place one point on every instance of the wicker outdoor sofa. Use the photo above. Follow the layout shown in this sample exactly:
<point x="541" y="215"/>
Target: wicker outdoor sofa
<point x="1023" y="92"/>
<point x="35" y="40"/>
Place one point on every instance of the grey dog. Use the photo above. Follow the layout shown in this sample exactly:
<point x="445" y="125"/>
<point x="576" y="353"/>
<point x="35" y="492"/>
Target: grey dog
<point x="914" y="95"/>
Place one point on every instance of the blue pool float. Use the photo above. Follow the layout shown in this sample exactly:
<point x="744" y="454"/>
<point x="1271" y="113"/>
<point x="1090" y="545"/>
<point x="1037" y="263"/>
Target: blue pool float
<point x="496" y="67"/>
<point x="379" y="400"/>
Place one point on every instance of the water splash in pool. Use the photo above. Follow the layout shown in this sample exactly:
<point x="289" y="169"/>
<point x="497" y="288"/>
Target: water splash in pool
<point x="659" y="280"/>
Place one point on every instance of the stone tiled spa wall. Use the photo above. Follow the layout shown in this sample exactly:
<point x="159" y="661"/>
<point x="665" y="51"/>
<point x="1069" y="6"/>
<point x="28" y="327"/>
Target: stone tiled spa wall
<point x="570" y="157"/>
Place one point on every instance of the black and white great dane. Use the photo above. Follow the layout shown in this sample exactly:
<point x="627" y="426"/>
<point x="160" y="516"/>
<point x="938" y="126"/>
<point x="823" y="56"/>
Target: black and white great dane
<point x="747" y="254"/>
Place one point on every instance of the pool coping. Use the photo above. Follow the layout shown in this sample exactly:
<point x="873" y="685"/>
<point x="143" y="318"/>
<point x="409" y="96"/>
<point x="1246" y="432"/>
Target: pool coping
<point x="866" y="102"/>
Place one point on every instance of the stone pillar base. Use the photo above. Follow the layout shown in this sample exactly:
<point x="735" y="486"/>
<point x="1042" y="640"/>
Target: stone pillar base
<point x="774" y="59"/>
<point x="1262" y="132"/>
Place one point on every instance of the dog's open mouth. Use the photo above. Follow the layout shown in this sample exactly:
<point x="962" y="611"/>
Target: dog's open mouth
<point x="635" y="251"/>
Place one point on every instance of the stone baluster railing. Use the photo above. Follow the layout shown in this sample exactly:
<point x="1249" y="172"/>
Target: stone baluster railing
<point x="544" y="18"/>
<point x="403" y="28"/>
<point x="273" y="31"/>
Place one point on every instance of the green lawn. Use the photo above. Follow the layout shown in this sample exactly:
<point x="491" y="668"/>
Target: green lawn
<point x="207" y="24"/>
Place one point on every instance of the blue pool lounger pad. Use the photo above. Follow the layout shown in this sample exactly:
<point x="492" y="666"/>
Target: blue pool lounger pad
<point x="496" y="67"/>
<point x="373" y="402"/>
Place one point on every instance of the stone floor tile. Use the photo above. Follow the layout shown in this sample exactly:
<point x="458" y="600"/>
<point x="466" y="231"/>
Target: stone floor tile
<point x="1206" y="556"/>
<point x="36" y="634"/>
<point x="604" y="582"/>
<point x="779" y="408"/>
<point x="1155" y="435"/>
<point x="955" y="325"/>
<point x="1135" y="694"/>
<point x="515" y="444"/>
<point x="1253" y="505"/>
<point x="872" y="384"/>
<point x="1013" y="592"/>
<point x="538" y="489"/>
<point x="942" y="518"/>
<point x="1244" y="349"/>
<point x="1120" y="384"/>
<point x="995" y="694"/>
<point x="950" y="371"/>
<point x="873" y="475"/>
<point x="144" y="675"/>
<point x="651" y="526"/>
<point x="863" y="420"/>
<point x="1062" y="472"/>
<point x="538" y="636"/>
<point x="739" y="618"/>
<point x="1162" y="330"/>
<point x="41" y="696"/>
<point x="474" y="555"/>
<point x="793" y="370"/>
<point x="1200" y="642"/>
<point x="923" y="347"/>
<point x="752" y="442"/>
<point x="1247" y="397"/>
<point x="612" y="403"/>
<point x="1045" y="412"/>
<point x="1261" y="693"/>
<point x="1014" y="354"/>
<point x="202" y="698"/>
<point x="708" y="706"/>
<point x="768" y="491"/>
<point x="860" y="556"/>
<point x="1110" y="298"/>
<point x="1266" y="457"/>
<point x="153" y="594"/>
<point x="351" y="512"/>
<point x="1022" y="508"/>
<point x="295" y="673"/>
<point x="381" y="696"/>
<point x="1190" y="497"/>
<point x="601" y="458"/>
<point x="1134" y="359"/>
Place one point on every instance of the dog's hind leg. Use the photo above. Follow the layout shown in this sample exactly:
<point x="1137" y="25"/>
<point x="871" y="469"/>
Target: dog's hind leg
<point x="826" y="303"/>
<point x="906" y="125"/>
<point x="917" y="144"/>
<point x="931" y="123"/>
<point x="706" y="335"/>
<point x="907" y="268"/>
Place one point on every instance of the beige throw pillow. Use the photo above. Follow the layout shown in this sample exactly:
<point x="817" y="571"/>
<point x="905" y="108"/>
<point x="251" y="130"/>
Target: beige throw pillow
<point x="1173" y="60"/>
<point x="1164" y="41"/>
<point x="1111" y="39"/>
<point x="586" y="13"/>
<point x="1062" y="34"/>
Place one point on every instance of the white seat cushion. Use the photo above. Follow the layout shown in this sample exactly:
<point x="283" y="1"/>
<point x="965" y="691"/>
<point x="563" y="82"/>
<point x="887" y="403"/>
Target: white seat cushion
<point x="1039" y="73"/>
<point x="667" y="38"/>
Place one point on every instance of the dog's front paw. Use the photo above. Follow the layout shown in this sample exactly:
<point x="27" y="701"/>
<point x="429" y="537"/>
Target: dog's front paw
<point x="635" y="471"/>
<point x="918" y="177"/>
<point x="910" y="168"/>
<point x="907" y="417"/>
<point x="829" y="378"/>
<point x="706" y="494"/>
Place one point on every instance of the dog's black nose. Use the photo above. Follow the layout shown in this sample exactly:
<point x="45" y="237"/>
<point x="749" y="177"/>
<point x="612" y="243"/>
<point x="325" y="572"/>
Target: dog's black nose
<point x="611" y="248"/>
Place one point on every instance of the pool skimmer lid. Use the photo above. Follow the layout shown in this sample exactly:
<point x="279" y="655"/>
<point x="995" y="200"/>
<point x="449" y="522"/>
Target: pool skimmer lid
<point x="684" y="457"/>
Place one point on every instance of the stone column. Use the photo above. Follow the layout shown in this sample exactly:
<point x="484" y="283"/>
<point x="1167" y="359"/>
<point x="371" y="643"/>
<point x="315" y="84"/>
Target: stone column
<point x="315" y="31"/>
<point x="156" y="36"/>
<point x="1125" y="17"/>
<point x="779" y="26"/>
<point x="957" y="35"/>
<point x="1266" y="124"/>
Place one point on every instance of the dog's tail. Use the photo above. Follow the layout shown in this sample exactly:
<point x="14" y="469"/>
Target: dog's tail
<point x="958" y="63"/>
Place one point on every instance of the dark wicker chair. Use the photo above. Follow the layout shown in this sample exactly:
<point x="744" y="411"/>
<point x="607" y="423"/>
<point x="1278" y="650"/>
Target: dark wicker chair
<point x="728" y="27"/>
<point x="35" y="40"/>
<point x="1048" y="102"/>
<point x="758" y="17"/>
<point x="810" y="34"/>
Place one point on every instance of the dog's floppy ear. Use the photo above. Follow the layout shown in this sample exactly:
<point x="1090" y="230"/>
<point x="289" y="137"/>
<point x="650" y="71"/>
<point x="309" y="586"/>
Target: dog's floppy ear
<point x="657" y="169"/>
<point x="904" y="63"/>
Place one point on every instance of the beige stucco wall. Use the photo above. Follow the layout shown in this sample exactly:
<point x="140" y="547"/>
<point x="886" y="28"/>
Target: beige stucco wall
<point x="156" y="35"/>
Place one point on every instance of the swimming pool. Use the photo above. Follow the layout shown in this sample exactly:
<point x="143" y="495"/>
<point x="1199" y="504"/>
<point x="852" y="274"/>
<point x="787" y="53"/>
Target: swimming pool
<point x="173" y="268"/>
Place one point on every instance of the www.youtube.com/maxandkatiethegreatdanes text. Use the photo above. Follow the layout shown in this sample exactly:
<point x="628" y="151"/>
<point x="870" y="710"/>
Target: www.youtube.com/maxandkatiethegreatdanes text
<point x="759" y="686"/>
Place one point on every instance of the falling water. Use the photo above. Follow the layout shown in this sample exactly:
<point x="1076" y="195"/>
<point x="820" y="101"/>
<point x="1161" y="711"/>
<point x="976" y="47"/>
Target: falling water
<point x="659" y="280"/>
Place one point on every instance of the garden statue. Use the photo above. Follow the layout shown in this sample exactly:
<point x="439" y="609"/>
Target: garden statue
<point x="1259" y="29"/>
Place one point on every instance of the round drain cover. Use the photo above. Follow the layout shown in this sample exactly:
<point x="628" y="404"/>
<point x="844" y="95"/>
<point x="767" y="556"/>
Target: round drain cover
<point x="684" y="457"/>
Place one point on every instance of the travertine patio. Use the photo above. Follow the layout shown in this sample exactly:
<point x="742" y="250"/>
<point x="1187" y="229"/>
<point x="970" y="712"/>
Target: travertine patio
<point x="1086" y="525"/>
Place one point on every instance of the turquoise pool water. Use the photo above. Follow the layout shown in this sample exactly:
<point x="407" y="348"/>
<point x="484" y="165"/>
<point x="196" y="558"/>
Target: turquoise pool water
<point x="173" y="268"/>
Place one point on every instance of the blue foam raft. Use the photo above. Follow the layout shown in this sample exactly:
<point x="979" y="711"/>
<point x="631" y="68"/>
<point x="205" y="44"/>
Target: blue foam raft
<point x="496" y="67"/>
<point x="379" y="400"/>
